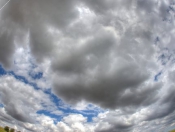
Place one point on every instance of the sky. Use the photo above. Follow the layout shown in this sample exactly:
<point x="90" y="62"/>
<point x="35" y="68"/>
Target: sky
<point x="87" y="65"/>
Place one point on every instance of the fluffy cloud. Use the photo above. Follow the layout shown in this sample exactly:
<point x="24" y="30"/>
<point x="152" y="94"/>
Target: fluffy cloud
<point x="73" y="123"/>
<point x="19" y="99"/>
<point x="25" y="66"/>
<point x="109" y="66"/>
<point x="115" y="54"/>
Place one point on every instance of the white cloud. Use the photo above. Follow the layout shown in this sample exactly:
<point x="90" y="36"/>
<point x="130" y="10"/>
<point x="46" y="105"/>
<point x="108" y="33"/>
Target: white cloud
<point x="25" y="65"/>
<point x="75" y="123"/>
<point x="19" y="98"/>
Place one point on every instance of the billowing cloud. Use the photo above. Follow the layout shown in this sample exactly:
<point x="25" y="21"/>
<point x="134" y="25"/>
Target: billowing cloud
<point x="19" y="99"/>
<point x="113" y="54"/>
<point x="111" y="65"/>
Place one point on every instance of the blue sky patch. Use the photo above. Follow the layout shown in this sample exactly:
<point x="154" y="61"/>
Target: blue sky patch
<point x="47" y="113"/>
<point x="35" y="76"/>
<point x="66" y="109"/>
<point x="2" y="70"/>
<point x="156" y="78"/>
<point x="1" y="105"/>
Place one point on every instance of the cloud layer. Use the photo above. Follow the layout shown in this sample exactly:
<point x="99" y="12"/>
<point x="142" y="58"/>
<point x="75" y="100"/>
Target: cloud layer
<point x="117" y="55"/>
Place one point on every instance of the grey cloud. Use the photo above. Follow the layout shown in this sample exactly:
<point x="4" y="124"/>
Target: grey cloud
<point x="157" y="125"/>
<point x="103" y="53"/>
<point x="102" y="7"/>
<point x="26" y="13"/>
<point x="160" y="112"/>
<point x="172" y="75"/>
<point x="165" y="106"/>
<point x="5" y="117"/>
<point x="104" y="70"/>
<point x="107" y="93"/>
<point x="18" y="113"/>
<point x="34" y="18"/>
<point x="114" y="129"/>
<point x="114" y="121"/>
<point x="6" y="48"/>
<point x="119" y="127"/>
<point x="40" y="43"/>
<point x="146" y="5"/>
<point x="98" y="46"/>
<point x="103" y="75"/>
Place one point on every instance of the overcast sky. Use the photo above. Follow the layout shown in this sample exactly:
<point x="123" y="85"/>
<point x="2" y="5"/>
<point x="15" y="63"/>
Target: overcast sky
<point x="87" y="65"/>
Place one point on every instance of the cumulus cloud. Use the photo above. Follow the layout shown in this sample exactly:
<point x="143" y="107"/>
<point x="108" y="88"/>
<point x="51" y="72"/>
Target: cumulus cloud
<point x="108" y="64"/>
<point x="19" y="99"/>
<point x="115" y="54"/>
<point x="25" y="66"/>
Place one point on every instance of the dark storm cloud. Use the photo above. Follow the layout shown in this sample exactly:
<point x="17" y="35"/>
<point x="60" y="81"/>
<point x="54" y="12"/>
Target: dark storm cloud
<point x="110" y="93"/>
<point x="97" y="56"/>
<point x="105" y="72"/>
<point x="6" y="48"/>
<point x="97" y="47"/>
<point x="33" y="17"/>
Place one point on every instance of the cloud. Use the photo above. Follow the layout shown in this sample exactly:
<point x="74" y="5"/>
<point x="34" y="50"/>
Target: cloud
<point x="106" y="66"/>
<point x="7" y="49"/>
<point x="113" y="121"/>
<point x="73" y="123"/>
<point x="107" y="53"/>
<point x="18" y="19"/>
<point x="19" y="98"/>
<point x="25" y="65"/>
<point x="4" y="116"/>
<point x="164" y="106"/>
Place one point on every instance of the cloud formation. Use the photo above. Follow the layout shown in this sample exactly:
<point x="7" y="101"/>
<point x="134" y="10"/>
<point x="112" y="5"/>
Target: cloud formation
<point x="117" y="55"/>
<point x="16" y="94"/>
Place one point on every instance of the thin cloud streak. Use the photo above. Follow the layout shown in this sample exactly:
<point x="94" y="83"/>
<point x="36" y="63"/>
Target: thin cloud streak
<point x="4" y="5"/>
